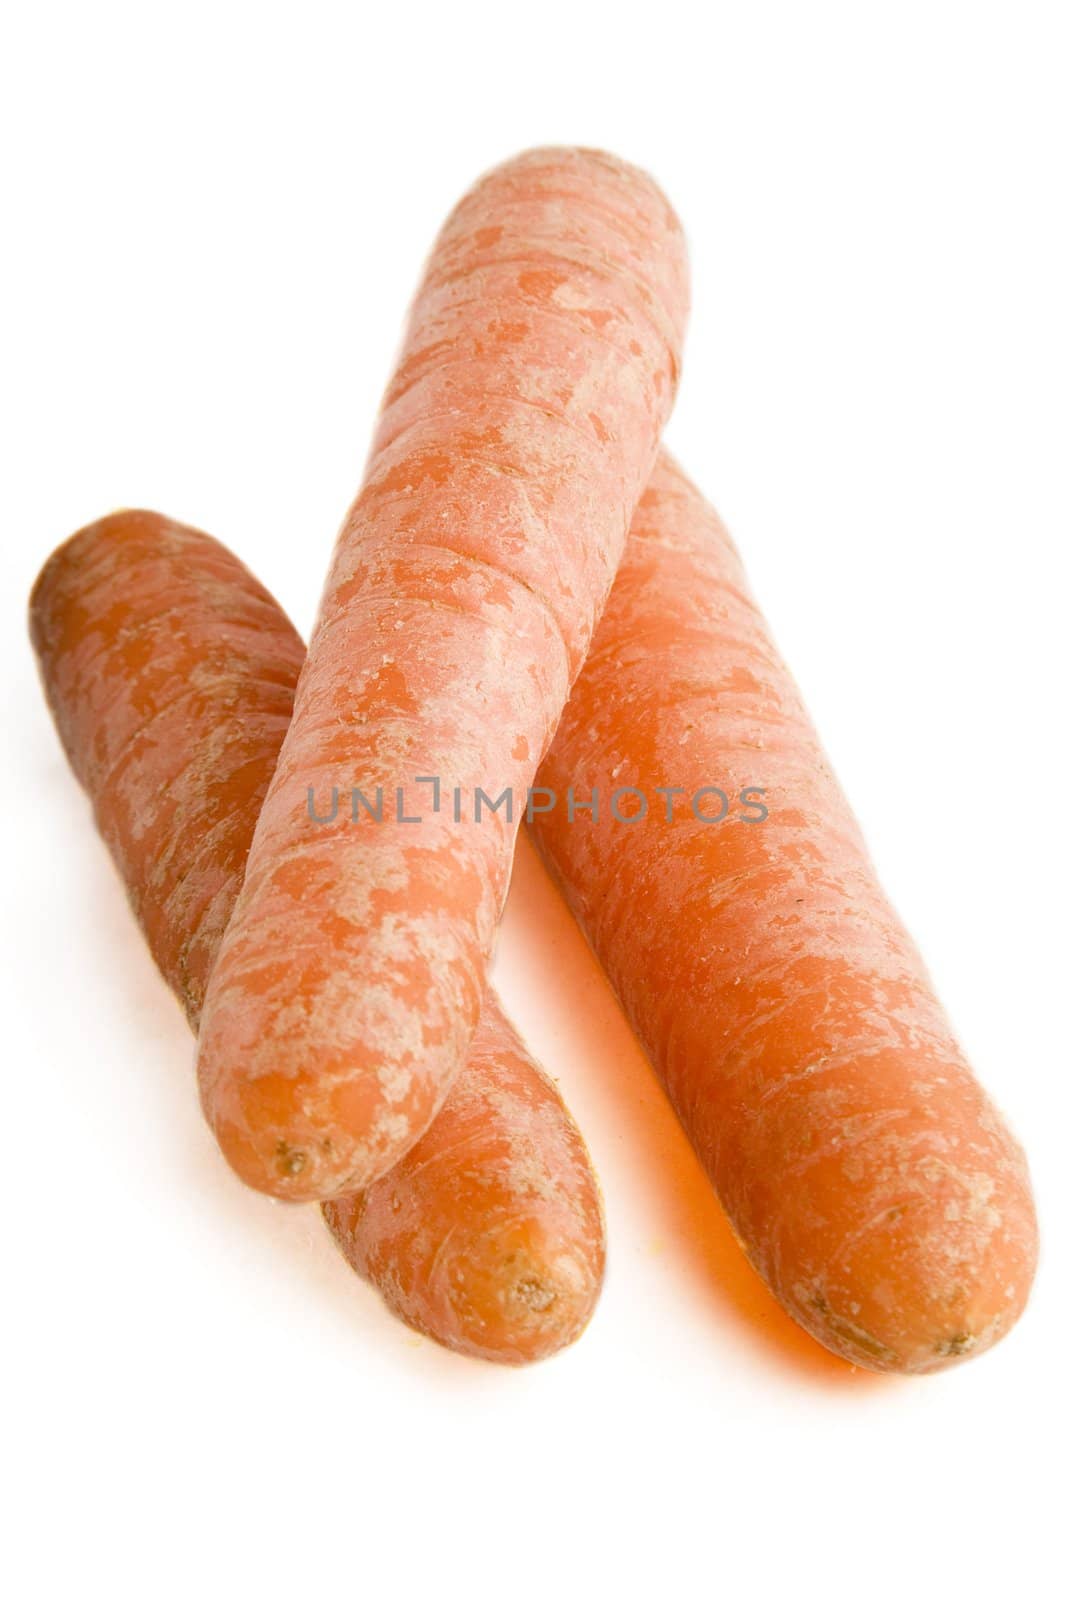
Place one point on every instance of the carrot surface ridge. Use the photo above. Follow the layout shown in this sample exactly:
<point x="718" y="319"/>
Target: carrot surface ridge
<point x="170" y="672"/>
<point x="515" y="438"/>
<point x="787" y="1012"/>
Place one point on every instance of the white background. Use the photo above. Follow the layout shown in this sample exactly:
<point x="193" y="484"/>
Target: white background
<point x="214" y="217"/>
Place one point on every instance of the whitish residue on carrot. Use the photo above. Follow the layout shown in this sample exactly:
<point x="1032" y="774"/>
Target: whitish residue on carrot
<point x="515" y="439"/>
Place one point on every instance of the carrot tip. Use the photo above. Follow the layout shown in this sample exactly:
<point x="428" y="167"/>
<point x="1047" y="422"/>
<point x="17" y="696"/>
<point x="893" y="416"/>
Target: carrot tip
<point x="519" y="1301"/>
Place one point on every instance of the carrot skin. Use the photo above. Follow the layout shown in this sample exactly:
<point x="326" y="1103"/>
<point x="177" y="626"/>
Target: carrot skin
<point x="864" y="1170"/>
<point x="515" y="438"/>
<point x="170" y="673"/>
<point x="515" y="1275"/>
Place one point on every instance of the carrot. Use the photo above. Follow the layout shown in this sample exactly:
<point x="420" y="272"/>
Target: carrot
<point x="170" y="673"/>
<point x="515" y="439"/>
<point x="787" y="1012"/>
<point x="488" y="1234"/>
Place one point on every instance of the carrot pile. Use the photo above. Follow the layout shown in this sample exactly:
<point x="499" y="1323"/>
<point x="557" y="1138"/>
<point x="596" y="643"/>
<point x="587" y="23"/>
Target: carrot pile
<point x="487" y="630"/>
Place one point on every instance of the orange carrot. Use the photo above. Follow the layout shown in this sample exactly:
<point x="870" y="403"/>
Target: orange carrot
<point x="170" y="672"/>
<point x="864" y="1170"/>
<point x="515" y="439"/>
<point x="488" y="1234"/>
